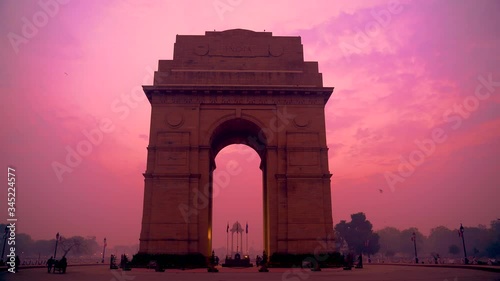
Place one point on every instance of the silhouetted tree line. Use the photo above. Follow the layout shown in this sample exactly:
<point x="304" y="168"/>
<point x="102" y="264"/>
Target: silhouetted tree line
<point x="75" y="246"/>
<point x="358" y="236"/>
<point x="480" y="241"/>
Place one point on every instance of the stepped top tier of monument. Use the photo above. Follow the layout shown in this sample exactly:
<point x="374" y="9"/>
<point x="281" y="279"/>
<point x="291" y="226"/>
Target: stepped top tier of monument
<point x="238" y="57"/>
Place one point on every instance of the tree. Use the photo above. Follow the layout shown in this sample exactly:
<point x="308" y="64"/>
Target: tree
<point x="477" y="240"/>
<point x="77" y="243"/>
<point x="91" y="246"/>
<point x="439" y="238"/>
<point x="407" y="246"/>
<point x="390" y="240"/>
<point x="493" y="247"/>
<point x="493" y="250"/>
<point x="358" y="234"/>
<point x="454" y="250"/>
<point x="24" y="243"/>
<point x="372" y="244"/>
<point x="389" y="253"/>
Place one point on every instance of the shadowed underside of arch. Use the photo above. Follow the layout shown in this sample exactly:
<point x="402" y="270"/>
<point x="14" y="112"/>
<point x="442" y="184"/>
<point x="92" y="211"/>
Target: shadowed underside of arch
<point x="238" y="131"/>
<point x="231" y="87"/>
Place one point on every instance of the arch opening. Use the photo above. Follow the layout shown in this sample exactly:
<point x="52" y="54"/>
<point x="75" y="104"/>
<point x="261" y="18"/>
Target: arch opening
<point x="248" y="138"/>
<point x="238" y="197"/>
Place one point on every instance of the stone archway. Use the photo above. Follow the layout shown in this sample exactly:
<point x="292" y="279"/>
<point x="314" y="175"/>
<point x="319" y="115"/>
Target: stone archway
<point x="237" y="131"/>
<point x="236" y="86"/>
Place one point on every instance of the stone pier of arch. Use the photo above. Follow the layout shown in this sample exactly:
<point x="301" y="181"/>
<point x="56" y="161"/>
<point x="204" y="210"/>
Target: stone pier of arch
<point x="230" y="87"/>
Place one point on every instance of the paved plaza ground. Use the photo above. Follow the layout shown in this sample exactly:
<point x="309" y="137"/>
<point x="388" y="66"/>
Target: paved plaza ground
<point x="370" y="272"/>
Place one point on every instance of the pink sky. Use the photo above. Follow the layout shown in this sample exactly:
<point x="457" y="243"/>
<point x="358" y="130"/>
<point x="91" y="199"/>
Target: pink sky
<point x="400" y="72"/>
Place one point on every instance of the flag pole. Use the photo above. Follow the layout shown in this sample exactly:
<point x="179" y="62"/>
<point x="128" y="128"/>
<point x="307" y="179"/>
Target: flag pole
<point x="248" y="254"/>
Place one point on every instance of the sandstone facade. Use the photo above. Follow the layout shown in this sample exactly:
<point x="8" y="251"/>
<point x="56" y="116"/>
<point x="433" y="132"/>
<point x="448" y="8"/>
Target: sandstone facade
<point x="237" y="86"/>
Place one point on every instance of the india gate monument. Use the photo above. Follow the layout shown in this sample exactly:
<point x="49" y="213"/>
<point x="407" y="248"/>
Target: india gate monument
<point x="236" y="87"/>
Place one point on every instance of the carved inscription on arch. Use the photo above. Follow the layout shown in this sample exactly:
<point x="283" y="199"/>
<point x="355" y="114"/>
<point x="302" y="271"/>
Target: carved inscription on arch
<point x="235" y="49"/>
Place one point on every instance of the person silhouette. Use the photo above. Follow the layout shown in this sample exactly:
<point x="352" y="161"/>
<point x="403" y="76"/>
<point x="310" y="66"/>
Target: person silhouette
<point x="50" y="263"/>
<point x="263" y="267"/>
<point x="257" y="260"/>
<point x="64" y="264"/>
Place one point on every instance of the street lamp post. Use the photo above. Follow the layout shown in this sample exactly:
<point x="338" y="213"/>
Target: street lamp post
<point x="466" y="261"/>
<point x="414" y="238"/>
<point x="57" y="241"/>
<point x="4" y="242"/>
<point x="103" y="250"/>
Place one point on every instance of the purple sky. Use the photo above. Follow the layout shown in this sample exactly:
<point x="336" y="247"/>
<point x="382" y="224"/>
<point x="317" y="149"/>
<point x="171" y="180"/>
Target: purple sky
<point x="415" y="82"/>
